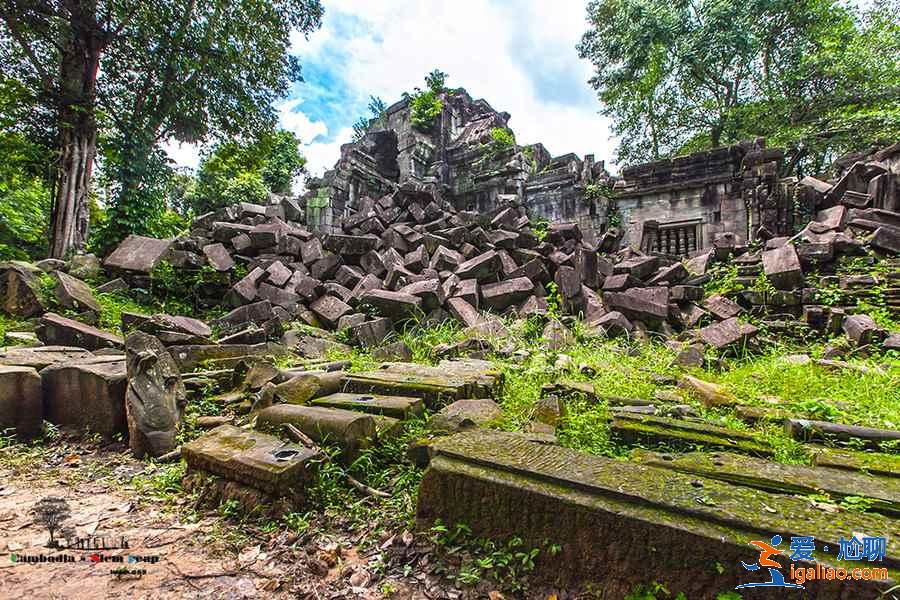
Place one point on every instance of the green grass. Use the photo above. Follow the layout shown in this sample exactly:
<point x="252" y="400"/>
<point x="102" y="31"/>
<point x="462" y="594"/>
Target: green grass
<point x="8" y="324"/>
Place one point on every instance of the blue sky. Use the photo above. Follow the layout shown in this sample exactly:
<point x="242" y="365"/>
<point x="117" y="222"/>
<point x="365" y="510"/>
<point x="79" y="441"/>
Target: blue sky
<point x="517" y="54"/>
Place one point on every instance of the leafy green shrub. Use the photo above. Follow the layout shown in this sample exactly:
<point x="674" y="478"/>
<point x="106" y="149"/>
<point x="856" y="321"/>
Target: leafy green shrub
<point x="426" y="107"/>
<point x="246" y="187"/>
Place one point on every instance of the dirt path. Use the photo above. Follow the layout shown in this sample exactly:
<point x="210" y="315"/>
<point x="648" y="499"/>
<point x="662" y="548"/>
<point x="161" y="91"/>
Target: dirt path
<point x="174" y="559"/>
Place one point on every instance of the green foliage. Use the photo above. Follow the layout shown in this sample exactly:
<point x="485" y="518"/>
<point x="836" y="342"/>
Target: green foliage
<point x="426" y="105"/>
<point x="235" y="171"/>
<point x="809" y="74"/>
<point x="652" y="591"/>
<point x="24" y="197"/>
<point x="539" y="228"/>
<point x="502" y="137"/>
<point x="436" y="81"/>
<point x="506" y="563"/>
<point x="426" y="108"/>
<point x="723" y="280"/>
<point x="377" y="109"/>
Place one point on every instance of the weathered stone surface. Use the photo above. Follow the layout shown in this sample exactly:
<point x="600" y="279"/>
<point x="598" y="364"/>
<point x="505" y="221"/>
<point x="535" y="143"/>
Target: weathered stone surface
<point x="330" y="309"/>
<point x="244" y="291"/>
<point x="482" y="267"/>
<point x="684" y="434"/>
<point x="692" y="356"/>
<point x="303" y="387"/>
<point x="727" y="332"/>
<point x="114" y="285"/>
<point x="399" y="407"/>
<point x="87" y="394"/>
<point x="189" y="356"/>
<point x="639" y="267"/>
<point x="84" y="266"/>
<point x="782" y="267"/>
<point x="711" y="394"/>
<point x="257" y="312"/>
<point x="261" y="461"/>
<point x="155" y="397"/>
<point x="394" y="305"/>
<point x="57" y="330"/>
<point x="450" y="380"/>
<point x="371" y="333"/>
<point x="780" y="478"/>
<point x="721" y="307"/>
<point x="490" y="479"/>
<point x="887" y="239"/>
<point x="138" y="254"/>
<point x="21" y="401"/>
<point x="218" y="257"/>
<point x="277" y="274"/>
<point x="556" y="336"/>
<point x="862" y="330"/>
<point x="19" y="290"/>
<point x="41" y="356"/>
<point x="612" y="324"/>
<point x="463" y="415"/>
<point x="429" y="290"/>
<point x="396" y="351"/>
<point x="645" y="304"/>
<point x="501" y="295"/>
<point x="352" y="431"/>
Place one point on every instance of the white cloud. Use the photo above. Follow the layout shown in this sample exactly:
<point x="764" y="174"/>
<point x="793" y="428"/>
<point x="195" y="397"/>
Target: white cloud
<point x="386" y="48"/>
<point x="520" y="56"/>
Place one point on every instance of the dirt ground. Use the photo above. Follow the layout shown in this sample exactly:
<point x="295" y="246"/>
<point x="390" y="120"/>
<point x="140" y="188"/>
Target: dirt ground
<point x="172" y="559"/>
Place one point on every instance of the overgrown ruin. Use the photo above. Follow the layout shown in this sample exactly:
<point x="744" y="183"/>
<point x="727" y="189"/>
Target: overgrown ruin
<point x="316" y="352"/>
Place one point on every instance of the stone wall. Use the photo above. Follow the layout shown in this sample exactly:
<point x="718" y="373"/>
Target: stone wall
<point x="682" y="202"/>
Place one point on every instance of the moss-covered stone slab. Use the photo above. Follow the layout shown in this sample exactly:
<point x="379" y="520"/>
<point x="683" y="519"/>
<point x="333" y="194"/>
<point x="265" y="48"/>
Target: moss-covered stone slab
<point x="636" y="428"/>
<point x="870" y="462"/>
<point x="883" y="492"/>
<point x="350" y="430"/>
<point x="398" y="407"/>
<point x="253" y="458"/>
<point x="621" y="524"/>
<point x="450" y="380"/>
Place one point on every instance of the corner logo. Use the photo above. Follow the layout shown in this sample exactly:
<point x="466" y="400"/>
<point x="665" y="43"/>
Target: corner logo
<point x="776" y="577"/>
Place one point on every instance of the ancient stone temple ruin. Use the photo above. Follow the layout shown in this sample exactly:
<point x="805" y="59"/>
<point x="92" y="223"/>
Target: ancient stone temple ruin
<point x="456" y="156"/>
<point x="673" y="206"/>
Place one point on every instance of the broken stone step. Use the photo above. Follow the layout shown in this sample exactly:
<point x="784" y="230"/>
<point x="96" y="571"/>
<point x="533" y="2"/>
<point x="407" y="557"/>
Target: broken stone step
<point x="502" y="485"/>
<point x="350" y="430"/>
<point x="776" y="477"/>
<point x="398" y="407"/>
<point x="633" y="429"/>
<point x="253" y="458"/>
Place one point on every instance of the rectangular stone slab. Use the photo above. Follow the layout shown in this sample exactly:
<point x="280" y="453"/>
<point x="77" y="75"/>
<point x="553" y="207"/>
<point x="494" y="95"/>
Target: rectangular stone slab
<point x="851" y="460"/>
<point x="775" y="477"/>
<point x="619" y="524"/>
<point x="451" y="380"/>
<point x="399" y="407"/>
<point x="256" y="459"/>
<point x="643" y="428"/>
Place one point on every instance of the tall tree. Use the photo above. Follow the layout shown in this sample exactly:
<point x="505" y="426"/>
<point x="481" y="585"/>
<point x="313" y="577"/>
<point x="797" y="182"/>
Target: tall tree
<point x="54" y="47"/>
<point x="178" y="69"/>
<point x="680" y="74"/>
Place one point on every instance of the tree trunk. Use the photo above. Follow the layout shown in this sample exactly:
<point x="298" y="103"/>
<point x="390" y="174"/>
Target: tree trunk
<point x="77" y="136"/>
<point x="77" y="147"/>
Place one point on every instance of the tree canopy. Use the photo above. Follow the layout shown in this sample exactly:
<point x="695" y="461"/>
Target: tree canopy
<point x="681" y="75"/>
<point x="171" y="69"/>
